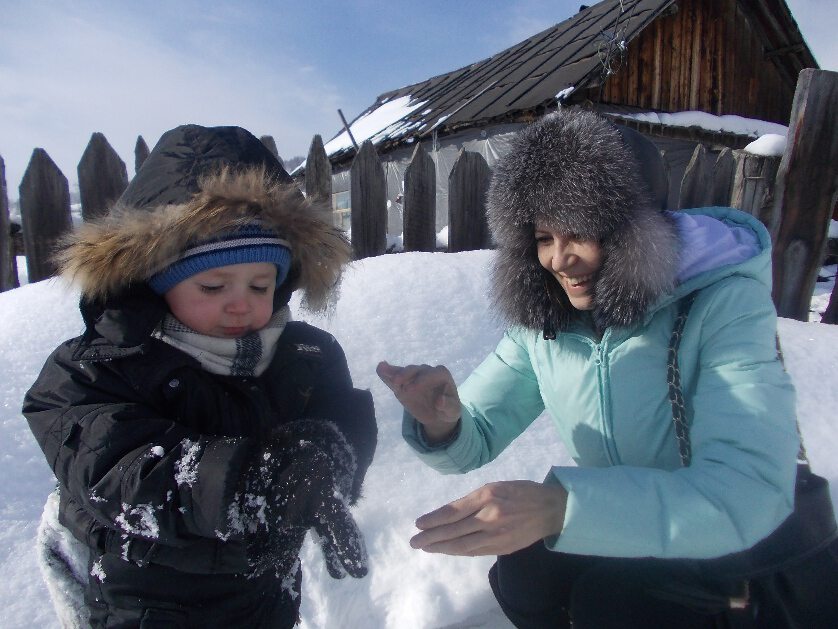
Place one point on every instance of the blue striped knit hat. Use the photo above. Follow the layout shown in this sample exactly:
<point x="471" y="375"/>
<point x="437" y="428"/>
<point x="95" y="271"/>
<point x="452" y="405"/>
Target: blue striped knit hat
<point x="250" y="243"/>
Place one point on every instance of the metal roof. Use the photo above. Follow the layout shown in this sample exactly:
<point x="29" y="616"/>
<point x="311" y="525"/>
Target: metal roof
<point x="525" y="76"/>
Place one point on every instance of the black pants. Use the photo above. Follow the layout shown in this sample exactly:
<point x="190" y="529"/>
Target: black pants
<point x="156" y="597"/>
<point x="537" y="588"/>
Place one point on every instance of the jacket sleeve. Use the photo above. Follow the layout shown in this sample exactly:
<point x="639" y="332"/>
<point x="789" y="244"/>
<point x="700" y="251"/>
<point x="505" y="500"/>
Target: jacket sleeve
<point x="739" y="486"/>
<point x="500" y="399"/>
<point x="351" y="410"/>
<point x="131" y="469"/>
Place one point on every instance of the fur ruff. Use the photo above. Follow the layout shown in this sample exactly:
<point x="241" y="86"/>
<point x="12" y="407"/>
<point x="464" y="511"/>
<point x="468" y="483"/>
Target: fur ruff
<point x="129" y="245"/>
<point x="573" y="172"/>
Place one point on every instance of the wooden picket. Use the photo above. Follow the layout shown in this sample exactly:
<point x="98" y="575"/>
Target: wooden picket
<point x="468" y="184"/>
<point x="368" y="193"/>
<point x="45" y="213"/>
<point x="8" y="269"/>
<point x="318" y="176"/>
<point x="140" y="153"/>
<point x="696" y="179"/>
<point x="102" y="177"/>
<point x="420" y="202"/>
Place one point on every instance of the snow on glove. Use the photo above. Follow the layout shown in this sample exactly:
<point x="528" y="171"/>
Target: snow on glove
<point x="290" y="486"/>
<point x="328" y="437"/>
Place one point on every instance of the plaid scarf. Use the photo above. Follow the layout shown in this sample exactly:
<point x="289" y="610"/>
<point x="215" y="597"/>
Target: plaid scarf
<point x="248" y="355"/>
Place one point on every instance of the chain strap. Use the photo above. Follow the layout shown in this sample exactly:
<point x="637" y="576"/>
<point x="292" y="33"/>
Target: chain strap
<point x="673" y="380"/>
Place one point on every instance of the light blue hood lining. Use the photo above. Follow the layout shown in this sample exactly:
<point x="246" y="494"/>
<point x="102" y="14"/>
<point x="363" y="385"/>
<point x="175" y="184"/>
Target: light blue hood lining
<point x="708" y="243"/>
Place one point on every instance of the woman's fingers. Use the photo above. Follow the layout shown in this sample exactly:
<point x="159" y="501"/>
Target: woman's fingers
<point x="497" y="519"/>
<point x="428" y="393"/>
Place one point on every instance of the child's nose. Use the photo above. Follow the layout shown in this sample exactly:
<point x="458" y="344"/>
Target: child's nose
<point x="239" y="304"/>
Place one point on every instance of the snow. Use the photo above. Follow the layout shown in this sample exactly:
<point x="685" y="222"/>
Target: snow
<point x="375" y="125"/>
<point x="768" y="145"/>
<point x="710" y="122"/>
<point x="410" y="307"/>
<point x="565" y="93"/>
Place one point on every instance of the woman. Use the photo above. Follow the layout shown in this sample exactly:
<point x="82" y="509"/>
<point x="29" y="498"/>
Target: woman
<point x="591" y="278"/>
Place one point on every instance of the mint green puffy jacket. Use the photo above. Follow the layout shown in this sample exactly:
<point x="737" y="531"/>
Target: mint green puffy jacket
<point x="628" y="495"/>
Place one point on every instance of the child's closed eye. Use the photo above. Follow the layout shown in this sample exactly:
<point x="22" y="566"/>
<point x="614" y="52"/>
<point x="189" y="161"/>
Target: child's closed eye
<point x="210" y="289"/>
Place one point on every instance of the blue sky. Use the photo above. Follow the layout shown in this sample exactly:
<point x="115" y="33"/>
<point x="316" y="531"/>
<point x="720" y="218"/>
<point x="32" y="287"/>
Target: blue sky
<point x="282" y="68"/>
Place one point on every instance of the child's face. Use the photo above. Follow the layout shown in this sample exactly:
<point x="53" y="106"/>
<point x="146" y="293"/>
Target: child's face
<point x="227" y="301"/>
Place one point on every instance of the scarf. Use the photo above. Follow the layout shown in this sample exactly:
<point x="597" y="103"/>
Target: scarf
<point x="248" y="355"/>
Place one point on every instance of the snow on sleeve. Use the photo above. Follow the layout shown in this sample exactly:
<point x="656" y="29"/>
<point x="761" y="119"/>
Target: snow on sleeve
<point x="186" y="468"/>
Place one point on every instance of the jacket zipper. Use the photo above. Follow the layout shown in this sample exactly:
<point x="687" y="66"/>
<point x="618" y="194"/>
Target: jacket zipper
<point x="608" y="445"/>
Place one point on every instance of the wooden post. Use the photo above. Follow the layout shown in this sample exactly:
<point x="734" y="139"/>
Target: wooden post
<point x="696" y="180"/>
<point x="7" y="250"/>
<point x="806" y="192"/>
<point x="420" y="202"/>
<point x="318" y="176"/>
<point x="44" y="213"/>
<point x="753" y="188"/>
<point x="467" y="187"/>
<point x="140" y="153"/>
<point x="102" y="177"/>
<point x="368" y="198"/>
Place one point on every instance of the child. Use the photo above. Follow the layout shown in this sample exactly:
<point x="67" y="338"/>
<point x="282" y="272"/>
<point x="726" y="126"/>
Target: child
<point x="195" y="431"/>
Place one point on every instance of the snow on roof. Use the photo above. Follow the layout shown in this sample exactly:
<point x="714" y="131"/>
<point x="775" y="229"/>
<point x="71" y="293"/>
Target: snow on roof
<point x="383" y="122"/>
<point x="725" y="124"/>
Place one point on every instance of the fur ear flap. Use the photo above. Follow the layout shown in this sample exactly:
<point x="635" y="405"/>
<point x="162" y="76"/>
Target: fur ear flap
<point x="640" y="263"/>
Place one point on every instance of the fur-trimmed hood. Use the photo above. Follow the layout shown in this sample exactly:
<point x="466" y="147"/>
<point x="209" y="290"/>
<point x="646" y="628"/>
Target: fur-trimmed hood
<point x="574" y="171"/>
<point x="186" y="194"/>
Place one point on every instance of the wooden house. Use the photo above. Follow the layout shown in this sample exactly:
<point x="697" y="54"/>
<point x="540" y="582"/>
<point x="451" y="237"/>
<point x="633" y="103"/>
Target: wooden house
<point x="623" y="58"/>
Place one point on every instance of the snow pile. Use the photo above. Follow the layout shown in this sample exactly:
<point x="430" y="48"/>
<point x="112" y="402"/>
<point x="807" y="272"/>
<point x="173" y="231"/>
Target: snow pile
<point x="412" y="307"/>
<point x="768" y="145"/>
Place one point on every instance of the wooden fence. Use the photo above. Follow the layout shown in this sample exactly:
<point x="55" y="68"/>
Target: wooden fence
<point x="793" y="195"/>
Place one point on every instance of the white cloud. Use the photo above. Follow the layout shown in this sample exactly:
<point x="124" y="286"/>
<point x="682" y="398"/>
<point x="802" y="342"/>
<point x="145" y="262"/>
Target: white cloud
<point x="66" y="76"/>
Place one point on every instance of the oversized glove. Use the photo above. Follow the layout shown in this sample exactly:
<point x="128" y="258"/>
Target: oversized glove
<point x="290" y="486"/>
<point x="328" y="437"/>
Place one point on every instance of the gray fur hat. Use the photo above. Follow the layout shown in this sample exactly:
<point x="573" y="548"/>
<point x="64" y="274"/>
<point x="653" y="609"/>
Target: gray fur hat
<point x="576" y="173"/>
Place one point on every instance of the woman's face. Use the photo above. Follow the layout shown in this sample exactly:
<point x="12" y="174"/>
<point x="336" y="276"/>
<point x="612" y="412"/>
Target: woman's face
<point x="573" y="262"/>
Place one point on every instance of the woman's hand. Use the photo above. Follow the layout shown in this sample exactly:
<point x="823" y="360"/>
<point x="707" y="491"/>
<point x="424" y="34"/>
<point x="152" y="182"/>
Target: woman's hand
<point x="428" y="393"/>
<point x="497" y="519"/>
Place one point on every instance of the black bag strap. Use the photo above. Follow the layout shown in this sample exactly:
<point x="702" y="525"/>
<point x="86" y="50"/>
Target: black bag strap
<point x="673" y="380"/>
<point x="676" y="397"/>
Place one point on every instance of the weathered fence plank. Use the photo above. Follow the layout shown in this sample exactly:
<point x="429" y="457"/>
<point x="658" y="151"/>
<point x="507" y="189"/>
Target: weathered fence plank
<point x="102" y="177"/>
<point x="270" y="144"/>
<point x="722" y="183"/>
<point x="830" y="315"/>
<point x="696" y="180"/>
<point x="753" y="188"/>
<point x="807" y="188"/>
<point x="368" y="196"/>
<point x="44" y="213"/>
<point x="318" y="175"/>
<point x="140" y="153"/>
<point x="467" y="187"/>
<point x="8" y="270"/>
<point x="420" y="202"/>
